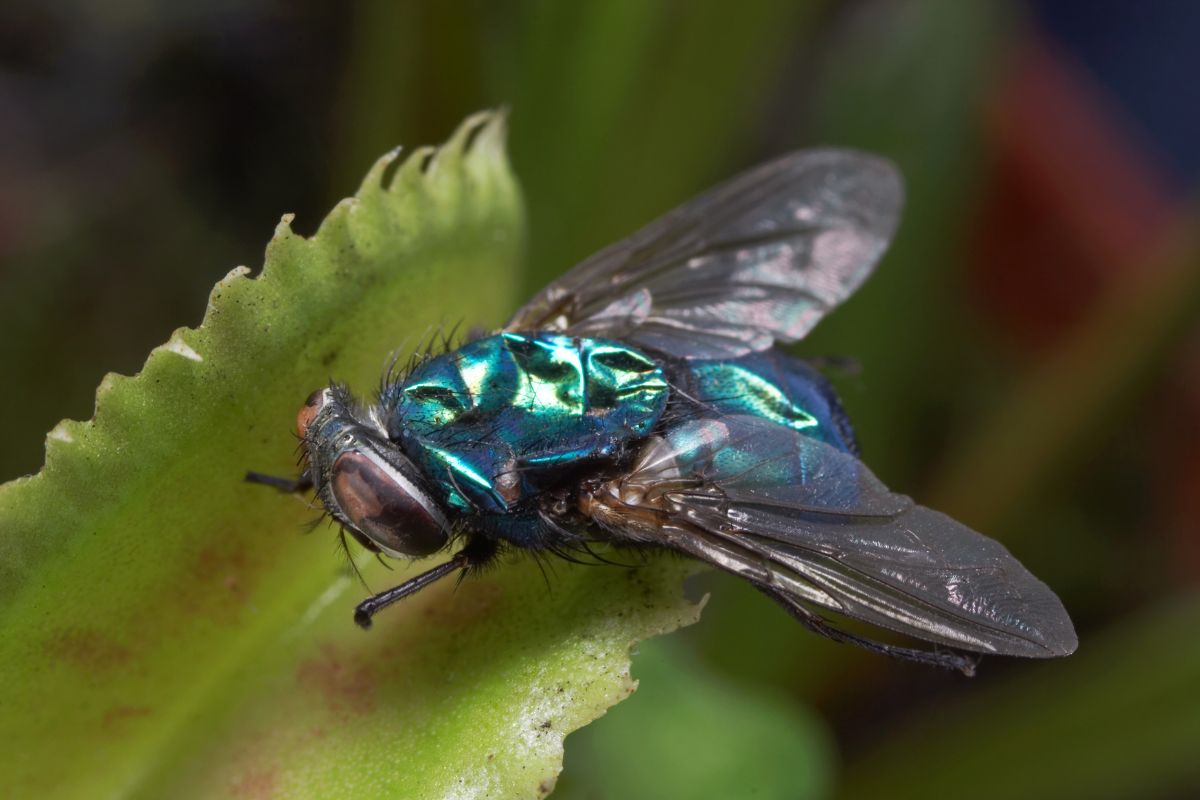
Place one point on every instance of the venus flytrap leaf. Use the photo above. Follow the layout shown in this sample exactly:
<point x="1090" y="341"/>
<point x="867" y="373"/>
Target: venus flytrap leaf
<point x="168" y="630"/>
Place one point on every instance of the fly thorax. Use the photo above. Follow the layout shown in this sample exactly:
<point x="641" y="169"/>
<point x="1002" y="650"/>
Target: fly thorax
<point x="503" y="419"/>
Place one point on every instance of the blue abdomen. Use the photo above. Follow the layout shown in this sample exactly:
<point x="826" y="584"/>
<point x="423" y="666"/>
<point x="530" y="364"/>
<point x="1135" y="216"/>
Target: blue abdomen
<point x="732" y="448"/>
<point x="504" y="418"/>
<point x="777" y="387"/>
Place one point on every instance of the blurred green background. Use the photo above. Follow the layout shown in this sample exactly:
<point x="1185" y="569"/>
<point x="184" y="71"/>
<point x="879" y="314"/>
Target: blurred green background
<point x="1028" y="355"/>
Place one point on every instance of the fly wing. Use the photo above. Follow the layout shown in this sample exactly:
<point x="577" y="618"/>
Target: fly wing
<point x="810" y="523"/>
<point x="759" y="259"/>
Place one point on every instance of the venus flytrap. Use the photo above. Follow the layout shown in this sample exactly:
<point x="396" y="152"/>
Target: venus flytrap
<point x="169" y="631"/>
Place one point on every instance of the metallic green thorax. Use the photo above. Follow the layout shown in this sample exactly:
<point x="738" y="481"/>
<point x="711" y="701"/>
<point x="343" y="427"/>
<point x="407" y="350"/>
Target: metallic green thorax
<point x="503" y="418"/>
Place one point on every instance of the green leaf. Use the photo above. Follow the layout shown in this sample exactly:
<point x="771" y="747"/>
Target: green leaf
<point x="169" y="631"/>
<point x="689" y="733"/>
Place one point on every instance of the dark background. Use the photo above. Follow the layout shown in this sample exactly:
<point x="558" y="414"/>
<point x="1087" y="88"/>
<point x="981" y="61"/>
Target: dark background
<point x="1029" y="353"/>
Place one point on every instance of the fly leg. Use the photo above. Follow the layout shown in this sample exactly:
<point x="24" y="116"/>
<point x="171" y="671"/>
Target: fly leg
<point x="290" y="485"/>
<point x="840" y="365"/>
<point x="477" y="552"/>
<point x="947" y="659"/>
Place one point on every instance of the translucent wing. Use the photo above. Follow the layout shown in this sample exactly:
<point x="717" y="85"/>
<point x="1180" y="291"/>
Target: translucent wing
<point x="758" y="259"/>
<point x="810" y="524"/>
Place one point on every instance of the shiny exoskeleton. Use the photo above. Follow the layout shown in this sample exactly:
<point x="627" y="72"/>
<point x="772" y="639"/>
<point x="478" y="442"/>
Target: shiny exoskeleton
<point x="641" y="400"/>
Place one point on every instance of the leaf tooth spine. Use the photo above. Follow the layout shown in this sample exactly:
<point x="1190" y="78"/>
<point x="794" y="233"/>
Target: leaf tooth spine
<point x="179" y="347"/>
<point x="59" y="433"/>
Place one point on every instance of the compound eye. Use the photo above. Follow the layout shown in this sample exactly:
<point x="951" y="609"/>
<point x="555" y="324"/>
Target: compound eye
<point x="387" y="506"/>
<point x="312" y="406"/>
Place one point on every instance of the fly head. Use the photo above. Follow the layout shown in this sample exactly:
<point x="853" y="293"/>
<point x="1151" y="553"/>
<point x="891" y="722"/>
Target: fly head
<point x="365" y="481"/>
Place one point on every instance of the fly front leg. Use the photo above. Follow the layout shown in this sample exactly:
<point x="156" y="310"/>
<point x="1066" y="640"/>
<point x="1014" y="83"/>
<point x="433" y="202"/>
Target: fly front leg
<point x="477" y="552"/>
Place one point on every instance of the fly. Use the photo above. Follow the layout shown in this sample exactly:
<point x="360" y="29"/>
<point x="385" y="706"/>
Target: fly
<point x="640" y="399"/>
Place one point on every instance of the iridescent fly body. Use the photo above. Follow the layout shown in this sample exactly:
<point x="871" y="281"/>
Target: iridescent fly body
<point x="640" y="399"/>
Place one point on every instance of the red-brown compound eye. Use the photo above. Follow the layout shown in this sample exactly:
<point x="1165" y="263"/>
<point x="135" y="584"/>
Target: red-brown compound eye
<point x="387" y="506"/>
<point x="312" y="406"/>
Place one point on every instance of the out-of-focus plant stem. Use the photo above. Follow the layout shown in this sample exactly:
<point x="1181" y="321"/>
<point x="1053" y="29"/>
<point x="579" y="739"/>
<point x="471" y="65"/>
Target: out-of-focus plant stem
<point x="1060" y="412"/>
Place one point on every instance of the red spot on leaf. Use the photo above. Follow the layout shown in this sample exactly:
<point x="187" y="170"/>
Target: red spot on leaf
<point x="119" y="719"/>
<point x="224" y="575"/>
<point x="345" y="685"/>
<point x="256" y="785"/>
<point x="87" y="650"/>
